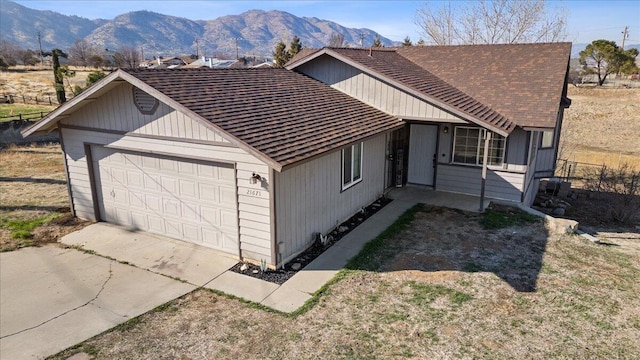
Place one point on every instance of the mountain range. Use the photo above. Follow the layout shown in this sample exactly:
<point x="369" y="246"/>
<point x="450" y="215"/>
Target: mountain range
<point x="254" y="32"/>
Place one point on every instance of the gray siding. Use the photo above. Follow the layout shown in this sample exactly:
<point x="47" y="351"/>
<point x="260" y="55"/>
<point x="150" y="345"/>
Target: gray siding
<point x="467" y="179"/>
<point x="113" y="112"/>
<point x="119" y="113"/>
<point x="309" y="197"/>
<point x="372" y="91"/>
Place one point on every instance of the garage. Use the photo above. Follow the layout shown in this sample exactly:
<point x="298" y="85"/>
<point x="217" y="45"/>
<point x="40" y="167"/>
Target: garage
<point x="185" y="199"/>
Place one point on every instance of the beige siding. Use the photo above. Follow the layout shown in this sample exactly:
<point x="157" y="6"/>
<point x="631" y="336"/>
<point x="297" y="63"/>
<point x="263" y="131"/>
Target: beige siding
<point x="372" y="91"/>
<point x="116" y="111"/>
<point x="467" y="179"/>
<point x="309" y="197"/>
<point x="253" y="199"/>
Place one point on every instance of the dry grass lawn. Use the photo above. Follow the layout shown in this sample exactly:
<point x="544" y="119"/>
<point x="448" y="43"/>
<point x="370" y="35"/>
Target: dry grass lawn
<point x="603" y="126"/>
<point x="32" y="187"/>
<point x="32" y="83"/>
<point x="442" y="287"/>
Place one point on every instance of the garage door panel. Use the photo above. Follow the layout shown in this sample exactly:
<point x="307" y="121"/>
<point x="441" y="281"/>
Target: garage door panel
<point x="188" y="200"/>
<point x="169" y="185"/>
<point x="170" y="207"/>
<point x="208" y="193"/>
<point x="134" y="178"/>
<point x="188" y="188"/>
<point x="151" y="182"/>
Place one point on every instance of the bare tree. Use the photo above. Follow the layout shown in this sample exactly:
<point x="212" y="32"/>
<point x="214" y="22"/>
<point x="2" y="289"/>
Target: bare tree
<point x="336" y="40"/>
<point x="80" y="53"/>
<point x="130" y="57"/>
<point x="9" y="52"/>
<point x="491" y="22"/>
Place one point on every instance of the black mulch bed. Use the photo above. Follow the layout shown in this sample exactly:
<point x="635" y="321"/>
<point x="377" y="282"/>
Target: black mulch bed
<point x="279" y="276"/>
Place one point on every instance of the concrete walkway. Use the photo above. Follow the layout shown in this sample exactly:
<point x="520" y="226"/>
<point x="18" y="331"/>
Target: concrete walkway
<point x="207" y="268"/>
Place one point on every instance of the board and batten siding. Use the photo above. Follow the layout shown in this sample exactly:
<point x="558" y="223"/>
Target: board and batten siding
<point x="99" y="122"/>
<point x="119" y="113"/>
<point x="467" y="180"/>
<point x="371" y="90"/>
<point x="309" y="198"/>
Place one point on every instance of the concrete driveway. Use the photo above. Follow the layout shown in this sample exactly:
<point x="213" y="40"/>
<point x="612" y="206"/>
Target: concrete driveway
<point x="53" y="298"/>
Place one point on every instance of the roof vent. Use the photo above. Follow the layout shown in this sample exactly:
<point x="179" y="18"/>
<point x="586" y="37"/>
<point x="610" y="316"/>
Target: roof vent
<point x="146" y="103"/>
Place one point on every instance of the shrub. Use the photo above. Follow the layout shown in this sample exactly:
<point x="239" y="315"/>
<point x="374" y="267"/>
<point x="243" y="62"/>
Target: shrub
<point x="623" y="187"/>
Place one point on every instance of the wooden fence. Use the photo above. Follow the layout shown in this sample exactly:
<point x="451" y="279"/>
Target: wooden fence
<point x="23" y="99"/>
<point x="27" y="116"/>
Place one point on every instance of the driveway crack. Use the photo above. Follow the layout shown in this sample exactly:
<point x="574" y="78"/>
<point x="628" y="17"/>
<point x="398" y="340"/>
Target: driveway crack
<point x="68" y="311"/>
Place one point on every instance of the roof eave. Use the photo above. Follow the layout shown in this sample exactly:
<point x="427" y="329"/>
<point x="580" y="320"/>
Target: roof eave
<point x="50" y="121"/>
<point x="405" y="88"/>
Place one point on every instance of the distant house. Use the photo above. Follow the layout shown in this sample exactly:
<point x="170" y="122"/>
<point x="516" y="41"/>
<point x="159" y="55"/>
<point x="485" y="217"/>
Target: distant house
<point x="255" y="162"/>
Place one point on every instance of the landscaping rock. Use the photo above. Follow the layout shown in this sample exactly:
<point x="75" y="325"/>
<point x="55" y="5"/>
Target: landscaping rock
<point x="296" y="266"/>
<point x="559" y="211"/>
<point x="342" y="229"/>
<point x="561" y="226"/>
<point x="244" y="267"/>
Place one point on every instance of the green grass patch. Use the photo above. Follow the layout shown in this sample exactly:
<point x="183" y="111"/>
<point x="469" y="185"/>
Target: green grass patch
<point x="21" y="229"/>
<point x="497" y="219"/>
<point x="14" y="109"/>
<point x="425" y="294"/>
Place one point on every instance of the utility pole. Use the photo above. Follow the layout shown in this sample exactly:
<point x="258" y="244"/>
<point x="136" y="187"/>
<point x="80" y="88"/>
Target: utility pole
<point x="142" y="53"/>
<point x="625" y="35"/>
<point x="236" y="39"/>
<point x="40" y="43"/>
<point x="197" y="49"/>
<point x="361" y="40"/>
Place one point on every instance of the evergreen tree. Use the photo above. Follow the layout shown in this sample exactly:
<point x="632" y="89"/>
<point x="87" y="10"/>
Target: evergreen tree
<point x="377" y="42"/>
<point x="58" y="75"/>
<point x="407" y="42"/>
<point x="280" y="54"/>
<point x="294" y="47"/>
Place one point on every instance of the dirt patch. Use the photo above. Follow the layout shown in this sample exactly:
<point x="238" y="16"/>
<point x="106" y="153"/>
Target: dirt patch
<point x="469" y="307"/>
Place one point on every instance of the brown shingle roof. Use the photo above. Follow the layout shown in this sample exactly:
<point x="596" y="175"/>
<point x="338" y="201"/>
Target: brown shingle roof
<point x="284" y="115"/>
<point x="524" y="82"/>
<point x="389" y="63"/>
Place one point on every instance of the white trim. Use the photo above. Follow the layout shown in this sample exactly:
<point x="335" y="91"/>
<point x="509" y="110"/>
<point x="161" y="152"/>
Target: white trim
<point x="481" y="136"/>
<point x="345" y="186"/>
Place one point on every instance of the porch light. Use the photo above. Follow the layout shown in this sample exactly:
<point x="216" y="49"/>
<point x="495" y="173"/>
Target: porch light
<point x="255" y="178"/>
<point x="445" y="129"/>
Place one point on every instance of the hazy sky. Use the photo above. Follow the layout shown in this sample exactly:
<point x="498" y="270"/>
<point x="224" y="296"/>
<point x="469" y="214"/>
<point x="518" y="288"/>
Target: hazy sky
<point x="587" y="20"/>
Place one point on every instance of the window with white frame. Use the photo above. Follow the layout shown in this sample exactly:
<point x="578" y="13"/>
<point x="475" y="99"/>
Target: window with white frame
<point x="468" y="146"/>
<point x="547" y="139"/>
<point x="351" y="165"/>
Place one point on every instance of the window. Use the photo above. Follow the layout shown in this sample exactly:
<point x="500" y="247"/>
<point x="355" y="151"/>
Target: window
<point x="547" y="139"/>
<point x="468" y="146"/>
<point x="351" y="165"/>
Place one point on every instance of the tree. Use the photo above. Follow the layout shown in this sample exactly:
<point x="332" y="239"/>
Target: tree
<point x="9" y="52"/>
<point x="280" y="54"/>
<point x="377" y="42"/>
<point x="420" y="42"/>
<point x="407" y="42"/>
<point x="96" y="61"/>
<point x="58" y="75"/>
<point x="604" y="57"/>
<point x="294" y="47"/>
<point x="336" y="40"/>
<point x="491" y="22"/>
<point x="81" y="52"/>
<point x="129" y="57"/>
<point x="27" y="57"/>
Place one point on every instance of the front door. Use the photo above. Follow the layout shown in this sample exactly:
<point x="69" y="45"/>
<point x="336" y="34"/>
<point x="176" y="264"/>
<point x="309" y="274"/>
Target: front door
<point x="422" y="154"/>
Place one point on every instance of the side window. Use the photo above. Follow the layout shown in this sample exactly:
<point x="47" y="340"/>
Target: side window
<point x="468" y="146"/>
<point x="351" y="165"/>
<point x="547" y="139"/>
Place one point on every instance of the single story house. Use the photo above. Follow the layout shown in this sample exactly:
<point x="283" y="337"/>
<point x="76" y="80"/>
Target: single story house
<point x="255" y="162"/>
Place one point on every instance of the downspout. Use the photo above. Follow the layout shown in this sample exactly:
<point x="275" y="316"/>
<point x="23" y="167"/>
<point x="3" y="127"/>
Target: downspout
<point x="276" y="255"/>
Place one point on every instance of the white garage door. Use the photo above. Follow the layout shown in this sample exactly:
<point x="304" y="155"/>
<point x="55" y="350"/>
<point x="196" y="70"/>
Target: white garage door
<point x="187" y="200"/>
